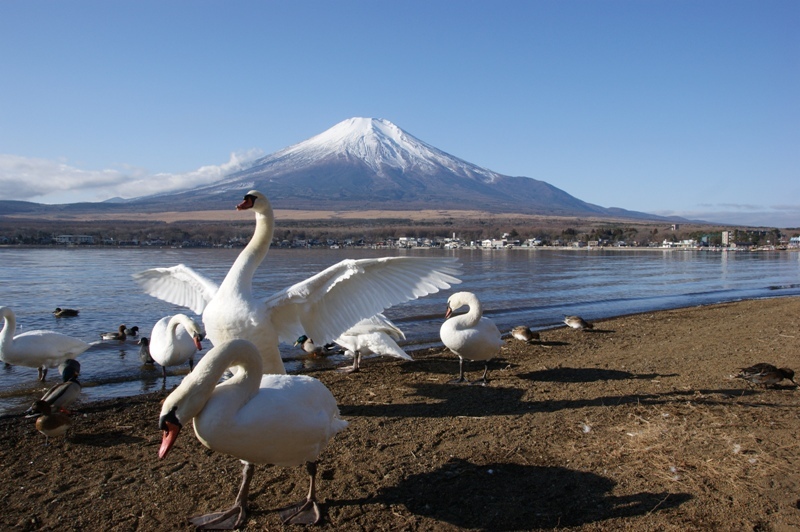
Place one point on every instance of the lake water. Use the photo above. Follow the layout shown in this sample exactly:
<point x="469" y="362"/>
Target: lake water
<point x="517" y="287"/>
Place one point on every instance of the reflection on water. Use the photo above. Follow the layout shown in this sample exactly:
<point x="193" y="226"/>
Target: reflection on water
<point x="530" y="287"/>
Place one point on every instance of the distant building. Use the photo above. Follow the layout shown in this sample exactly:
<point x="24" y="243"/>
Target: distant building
<point x="74" y="239"/>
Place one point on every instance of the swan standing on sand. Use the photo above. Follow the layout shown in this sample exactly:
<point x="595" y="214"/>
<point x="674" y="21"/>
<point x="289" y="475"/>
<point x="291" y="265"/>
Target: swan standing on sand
<point x="283" y="420"/>
<point x="36" y="349"/>
<point x="470" y="335"/>
<point x="174" y="340"/>
<point x="322" y="307"/>
<point x="375" y="335"/>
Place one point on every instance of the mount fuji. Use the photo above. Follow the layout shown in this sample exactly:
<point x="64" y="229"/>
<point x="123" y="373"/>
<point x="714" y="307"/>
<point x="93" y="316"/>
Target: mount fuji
<point x="370" y="163"/>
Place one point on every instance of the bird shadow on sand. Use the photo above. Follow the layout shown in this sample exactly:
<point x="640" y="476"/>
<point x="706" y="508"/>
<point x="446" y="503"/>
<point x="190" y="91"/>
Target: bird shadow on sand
<point x="588" y="375"/>
<point x="507" y="496"/>
<point x="106" y="439"/>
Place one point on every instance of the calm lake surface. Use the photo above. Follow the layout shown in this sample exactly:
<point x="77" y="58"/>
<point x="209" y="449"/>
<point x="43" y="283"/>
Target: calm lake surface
<point x="517" y="287"/>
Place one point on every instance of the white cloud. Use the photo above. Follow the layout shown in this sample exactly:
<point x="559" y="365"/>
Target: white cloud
<point x="54" y="182"/>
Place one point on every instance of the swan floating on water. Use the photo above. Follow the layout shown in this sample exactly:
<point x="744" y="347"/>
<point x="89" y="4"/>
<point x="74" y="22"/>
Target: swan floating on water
<point x="283" y="420"/>
<point x="174" y="340"/>
<point x="322" y="307"/>
<point x="36" y="349"/>
<point x="470" y="335"/>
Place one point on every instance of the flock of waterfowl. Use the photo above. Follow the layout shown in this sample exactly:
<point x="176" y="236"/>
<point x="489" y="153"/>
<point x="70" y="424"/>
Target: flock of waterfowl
<point x="257" y="415"/>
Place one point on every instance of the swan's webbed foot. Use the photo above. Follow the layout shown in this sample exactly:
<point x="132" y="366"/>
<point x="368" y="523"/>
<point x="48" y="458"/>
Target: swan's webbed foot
<point x="306" y="512"/>
<point x="458" y="380"/>
<point x="229" y="519"/>
<point x="480" y="382"/>
<point x="349" y="369"/>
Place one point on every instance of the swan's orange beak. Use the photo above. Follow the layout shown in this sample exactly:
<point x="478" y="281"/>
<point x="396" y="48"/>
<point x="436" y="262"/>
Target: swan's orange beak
<point x="247" y="203"/>
<point x="169" y="435"/>
<point x="197" y="340"/>
<point x="448" y="313"/>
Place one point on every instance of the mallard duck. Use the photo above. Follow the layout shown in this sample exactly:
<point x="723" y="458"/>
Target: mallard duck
<point x="174" y="340"/>
<point x="36" y="349"/>
<point x="470" y="336"/>
<point x="283" y="420"/>
<point x="62" y="395"/>
<point x="524" y="333"/>
<point x="308" y="345"/>
<point x="356" y="289"/>
<point x="765" y="374"/>
<point x="376" y="335"/>
<point x="576" y="322"/>
<point x="51" y="423"/>
<point x="118" y="335"/>
<point x="65" y="312"/>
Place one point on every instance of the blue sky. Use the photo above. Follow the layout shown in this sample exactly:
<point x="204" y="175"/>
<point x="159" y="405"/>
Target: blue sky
<point x="669" y="107"/>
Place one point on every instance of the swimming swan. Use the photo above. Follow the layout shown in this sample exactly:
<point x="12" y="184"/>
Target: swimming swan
<point x="469" y="335"/>
<point x="174" y="340"/>
<point x="322" y="307"/>
<point x="375" y="335"/>
<point x="284" y="420"/>
<point x="36" y="349"/>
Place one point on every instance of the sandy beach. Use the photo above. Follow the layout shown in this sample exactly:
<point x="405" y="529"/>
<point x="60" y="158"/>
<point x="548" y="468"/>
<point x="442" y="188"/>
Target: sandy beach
<point x="636" y="425"/>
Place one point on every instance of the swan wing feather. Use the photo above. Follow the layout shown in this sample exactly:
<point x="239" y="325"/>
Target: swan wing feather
<point x="328" y="303"/>
<point x="179" y="285"/>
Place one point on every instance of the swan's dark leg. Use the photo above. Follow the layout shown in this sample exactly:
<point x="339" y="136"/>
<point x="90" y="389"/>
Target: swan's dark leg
<point x="42" y="373"/>
<point x="305" y="512"/>
<point x="356" y="364"/>
<point x="235" y="516"/>
<point x="483" y="381"/>
<point x="460" y="378"/>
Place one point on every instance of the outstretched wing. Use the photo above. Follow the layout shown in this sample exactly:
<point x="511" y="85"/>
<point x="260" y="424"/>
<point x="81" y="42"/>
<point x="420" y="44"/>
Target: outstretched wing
<point x="179" y="285"/>
<point x="327" y="304"/>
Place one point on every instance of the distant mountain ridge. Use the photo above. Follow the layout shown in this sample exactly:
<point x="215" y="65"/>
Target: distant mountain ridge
<point x="370" y="163"/>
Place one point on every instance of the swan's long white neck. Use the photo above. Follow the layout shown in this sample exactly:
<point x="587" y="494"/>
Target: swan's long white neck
<point x="9" y="325"/>
<point x="471" y="318"/>
<point x="179" y="319"/>
<point x="243" y="269"/>
<point x="197" y="387"/>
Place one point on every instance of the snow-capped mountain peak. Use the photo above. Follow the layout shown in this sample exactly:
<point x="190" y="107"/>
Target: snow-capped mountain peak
<point x="377" y="143"/>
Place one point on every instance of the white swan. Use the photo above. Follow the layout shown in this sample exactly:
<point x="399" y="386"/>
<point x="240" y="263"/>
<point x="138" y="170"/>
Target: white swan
<point x="375" y="335"/>
<point x="470" y="335"/>
<point x="284" y="420"/>
<point x="322" y="307"/>
<point x="36" y="349"/>
<point x="174" y="340"/>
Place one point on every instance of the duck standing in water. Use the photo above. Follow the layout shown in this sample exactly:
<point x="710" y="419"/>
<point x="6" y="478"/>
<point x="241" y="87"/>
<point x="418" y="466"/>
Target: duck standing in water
<point x="470" y="336"/>
<point x="283" y="420"/>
